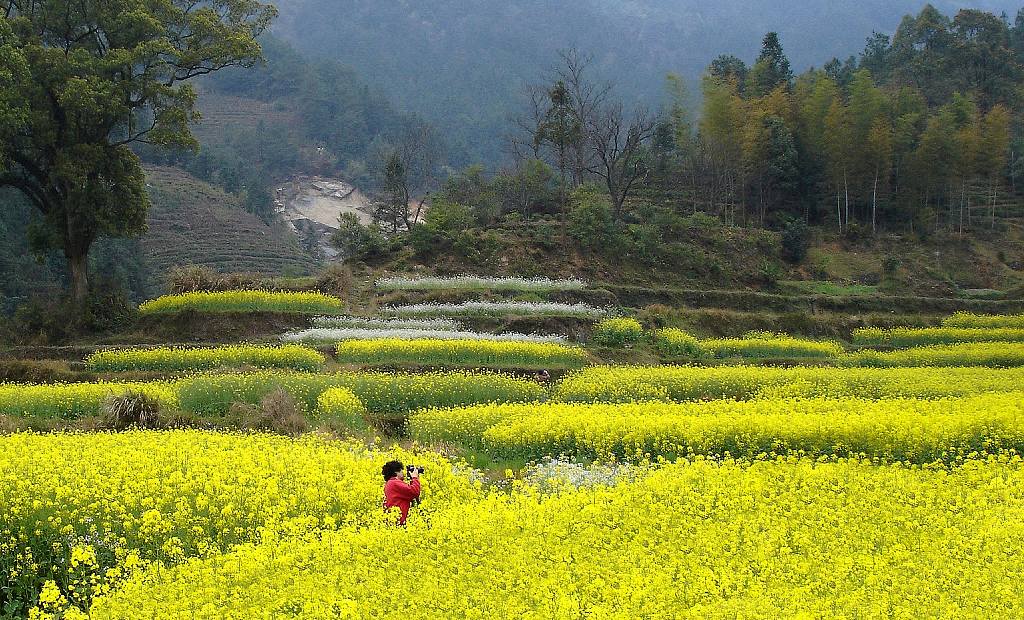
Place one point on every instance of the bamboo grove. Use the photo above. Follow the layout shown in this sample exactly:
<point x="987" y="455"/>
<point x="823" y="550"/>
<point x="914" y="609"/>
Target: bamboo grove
<point x="917" y="134"/>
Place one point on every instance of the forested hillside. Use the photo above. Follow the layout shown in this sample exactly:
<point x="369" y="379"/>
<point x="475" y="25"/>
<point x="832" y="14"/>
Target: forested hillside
<point x="289" y="115"/>
<point x="464" y="66"/>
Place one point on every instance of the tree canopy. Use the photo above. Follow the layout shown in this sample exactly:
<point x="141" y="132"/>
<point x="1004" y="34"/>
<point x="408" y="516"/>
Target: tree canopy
<point x="95" y="78"/>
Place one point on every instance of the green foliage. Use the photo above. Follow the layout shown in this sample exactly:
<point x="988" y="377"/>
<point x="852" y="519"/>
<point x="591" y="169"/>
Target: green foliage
<point x="796" y="240"/>
<point x="99" y="79"/>
<point x="55" y="319"/>
<point x="591" y="220"/>
<point x="442" y="227"/>
<point x="354" y="240"/>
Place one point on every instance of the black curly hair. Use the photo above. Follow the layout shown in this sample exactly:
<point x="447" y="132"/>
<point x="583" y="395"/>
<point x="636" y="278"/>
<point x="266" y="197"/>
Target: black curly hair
<point x="391" y="469"/>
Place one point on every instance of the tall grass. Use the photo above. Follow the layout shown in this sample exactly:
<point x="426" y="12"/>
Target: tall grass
<point x="244" y="301"/>
<point x="479" y="283"/>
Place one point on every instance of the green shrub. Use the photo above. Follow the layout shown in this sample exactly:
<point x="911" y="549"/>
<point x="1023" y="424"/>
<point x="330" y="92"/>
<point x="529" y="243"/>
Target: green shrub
<point x="796" y="240"/>
<point x="618" y="332"/>
<point x="591" y="222"/>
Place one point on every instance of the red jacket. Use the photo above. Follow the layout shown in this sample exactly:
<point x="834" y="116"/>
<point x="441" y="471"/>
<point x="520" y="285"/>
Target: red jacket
<point x="398" y="493"/>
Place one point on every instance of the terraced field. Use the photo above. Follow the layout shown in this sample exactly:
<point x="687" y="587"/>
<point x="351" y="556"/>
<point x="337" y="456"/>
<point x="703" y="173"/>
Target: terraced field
<point x="758" y="478"/>
<point x="193" y="223"/>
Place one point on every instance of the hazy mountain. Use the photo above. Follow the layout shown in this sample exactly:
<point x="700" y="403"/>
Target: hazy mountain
<point x="463" y="63"/>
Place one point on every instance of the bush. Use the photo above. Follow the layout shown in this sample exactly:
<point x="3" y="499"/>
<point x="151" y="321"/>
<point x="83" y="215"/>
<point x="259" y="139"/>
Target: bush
<point x="193" y="278"/>
<point x="335" y="280"/>
<point x="769" y="274"/>
<point x="618" y="332"/>
<point x="591" y="222"/>
<point x="131" y="409"/>
<point x="353" y="240"/>
<point x="441" y="227"/>
<point x="53" y="319"/>
<point x="796" y="239"/>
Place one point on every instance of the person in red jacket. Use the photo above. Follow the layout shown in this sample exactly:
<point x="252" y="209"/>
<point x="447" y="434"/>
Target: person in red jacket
<point x="398" y="493"/>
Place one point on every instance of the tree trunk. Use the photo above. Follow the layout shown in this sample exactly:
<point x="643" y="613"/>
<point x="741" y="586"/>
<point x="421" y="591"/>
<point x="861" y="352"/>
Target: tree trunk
<point x="963" y="193"/>
<point x="874" y="204"/>
<point x="846" y="189"/>
<point x="839" y="211"/>
<point x="992" y="184"/>
<point x="78" y="265"/>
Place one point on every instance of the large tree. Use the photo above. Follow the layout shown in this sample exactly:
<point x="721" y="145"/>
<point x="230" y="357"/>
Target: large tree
<point x="100" y="76"/>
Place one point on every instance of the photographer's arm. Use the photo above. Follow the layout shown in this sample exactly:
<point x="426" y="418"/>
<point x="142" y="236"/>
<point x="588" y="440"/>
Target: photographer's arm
<point x="407" y="491"/>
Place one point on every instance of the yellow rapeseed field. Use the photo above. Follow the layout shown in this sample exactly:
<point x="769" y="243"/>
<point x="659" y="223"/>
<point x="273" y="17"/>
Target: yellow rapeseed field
<point x="472" y="353"/>
<point x="916" y="337"/>
<point x="985" y="321"/>
<point x="775" y="539"/>
<point x="991" y="354"/>
<point x="245" y="301"/>
<point x="73" y="400"/>
<point x="383" y="394"/>
<point x="685" y="383"/>
<point x="125" y="499"/>
<point x="918" y="431"/>
<point x="171" y="359"/>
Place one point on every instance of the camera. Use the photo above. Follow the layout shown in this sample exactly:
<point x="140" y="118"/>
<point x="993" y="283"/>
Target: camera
<point x="409" y="469"/>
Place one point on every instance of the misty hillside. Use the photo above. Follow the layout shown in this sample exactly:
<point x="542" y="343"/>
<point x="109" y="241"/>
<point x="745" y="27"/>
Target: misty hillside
<point x="462" y="64"/>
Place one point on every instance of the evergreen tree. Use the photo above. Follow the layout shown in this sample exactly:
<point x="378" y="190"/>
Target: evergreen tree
<point x="771" y="69"/>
